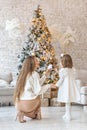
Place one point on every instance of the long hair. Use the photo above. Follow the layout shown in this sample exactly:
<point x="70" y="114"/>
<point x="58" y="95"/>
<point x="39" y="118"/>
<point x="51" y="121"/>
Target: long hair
<point x="66" y="61"/>
<point x="27" y="68"/>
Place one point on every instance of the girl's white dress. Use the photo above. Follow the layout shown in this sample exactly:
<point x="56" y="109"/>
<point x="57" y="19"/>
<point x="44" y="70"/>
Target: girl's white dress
<point x="68" y="89"/>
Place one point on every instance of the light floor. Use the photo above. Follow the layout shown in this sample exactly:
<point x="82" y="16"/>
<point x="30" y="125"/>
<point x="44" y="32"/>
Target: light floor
<point x="51" y="119"/>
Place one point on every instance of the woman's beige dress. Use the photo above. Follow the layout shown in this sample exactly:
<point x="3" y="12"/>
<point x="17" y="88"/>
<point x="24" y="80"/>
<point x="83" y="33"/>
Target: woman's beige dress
<point x="30" y="102"/>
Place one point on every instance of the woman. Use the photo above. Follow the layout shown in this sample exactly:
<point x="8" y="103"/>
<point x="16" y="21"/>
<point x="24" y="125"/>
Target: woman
<point x="27" y="90"/>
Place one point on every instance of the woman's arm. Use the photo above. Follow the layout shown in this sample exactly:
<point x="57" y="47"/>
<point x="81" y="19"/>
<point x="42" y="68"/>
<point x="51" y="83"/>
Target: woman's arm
<point x="35" y="83"/>
<point x="43" y="78"/>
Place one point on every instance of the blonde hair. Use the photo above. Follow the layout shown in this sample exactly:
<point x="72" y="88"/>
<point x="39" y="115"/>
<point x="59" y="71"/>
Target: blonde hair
<point x="66" y="61"/>
<point x="27" y="68"/>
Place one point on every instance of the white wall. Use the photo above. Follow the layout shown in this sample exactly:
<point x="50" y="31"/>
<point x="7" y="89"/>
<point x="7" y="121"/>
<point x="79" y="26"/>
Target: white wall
<point x="58" y="13"/>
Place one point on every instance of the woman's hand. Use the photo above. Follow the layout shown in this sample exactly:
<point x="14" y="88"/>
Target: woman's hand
<point x="47" y="73"/>
<point x="53" y="86"/>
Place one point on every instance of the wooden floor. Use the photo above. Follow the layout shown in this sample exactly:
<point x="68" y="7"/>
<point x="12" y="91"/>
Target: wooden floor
<point x="51" y="119"/>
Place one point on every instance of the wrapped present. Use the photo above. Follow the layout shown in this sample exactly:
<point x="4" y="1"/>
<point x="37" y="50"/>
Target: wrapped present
<point x="45" y="91"/>
<point x="44" y="102"/>
<point x="53" y="102"/>
<point x="54" y="92"/>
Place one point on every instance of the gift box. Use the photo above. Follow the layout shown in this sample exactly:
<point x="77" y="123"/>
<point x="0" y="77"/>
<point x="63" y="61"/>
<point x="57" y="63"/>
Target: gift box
<point x="54" y="92"/>
<point x="44" y="102"/>
<point x="54" y="103"/>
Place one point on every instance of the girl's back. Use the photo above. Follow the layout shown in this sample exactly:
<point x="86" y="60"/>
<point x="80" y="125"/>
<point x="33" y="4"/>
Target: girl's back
<point x="68" y="90"/>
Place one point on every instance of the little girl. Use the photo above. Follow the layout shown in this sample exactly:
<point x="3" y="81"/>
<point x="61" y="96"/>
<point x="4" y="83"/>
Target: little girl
<point x="68" y="90"/>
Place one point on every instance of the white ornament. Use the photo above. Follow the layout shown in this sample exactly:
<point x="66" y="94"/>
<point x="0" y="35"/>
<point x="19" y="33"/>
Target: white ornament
<point x="49" y="66"/>
<point x="62" y="55"/>
<point x="14" y="23"/>
<point x="14" y="28"/>
<point x="68" y="37"/>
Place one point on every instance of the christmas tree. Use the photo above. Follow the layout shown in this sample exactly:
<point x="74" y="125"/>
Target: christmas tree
<point x="39" y="44"/>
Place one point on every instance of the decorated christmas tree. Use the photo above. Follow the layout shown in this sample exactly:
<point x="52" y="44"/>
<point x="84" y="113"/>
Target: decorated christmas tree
<point x="39" y="44"/>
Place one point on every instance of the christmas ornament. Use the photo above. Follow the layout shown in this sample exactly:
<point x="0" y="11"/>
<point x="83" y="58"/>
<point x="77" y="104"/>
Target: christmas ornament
<point x="14" y="28"/>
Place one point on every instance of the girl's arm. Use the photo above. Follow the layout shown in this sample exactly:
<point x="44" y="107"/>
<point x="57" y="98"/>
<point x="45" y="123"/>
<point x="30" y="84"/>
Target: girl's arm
<point x="62" y="75"/>
<point x="60" y="81"/>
